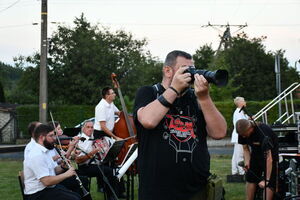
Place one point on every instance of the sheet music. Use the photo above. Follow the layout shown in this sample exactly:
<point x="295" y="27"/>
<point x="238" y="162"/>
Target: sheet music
<point x="129" y="153"/>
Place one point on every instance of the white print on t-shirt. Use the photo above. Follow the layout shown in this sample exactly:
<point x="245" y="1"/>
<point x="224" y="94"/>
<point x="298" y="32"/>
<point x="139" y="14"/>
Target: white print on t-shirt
<point x="180" y="132"/>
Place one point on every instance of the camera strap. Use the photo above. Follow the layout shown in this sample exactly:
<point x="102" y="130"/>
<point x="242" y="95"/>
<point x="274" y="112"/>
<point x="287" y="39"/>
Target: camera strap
<point x="157" y="89"/>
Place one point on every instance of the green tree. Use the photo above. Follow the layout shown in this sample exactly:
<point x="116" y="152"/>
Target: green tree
<point x="204" y="59"/>
<point x="2" y="97"/>
<point x="204" y="56"/>
<point x="81" y="60"/>
<point x="251" y="68"/>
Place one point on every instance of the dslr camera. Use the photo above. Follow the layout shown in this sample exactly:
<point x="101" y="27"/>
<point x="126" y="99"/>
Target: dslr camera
<point x="218" y="77"/>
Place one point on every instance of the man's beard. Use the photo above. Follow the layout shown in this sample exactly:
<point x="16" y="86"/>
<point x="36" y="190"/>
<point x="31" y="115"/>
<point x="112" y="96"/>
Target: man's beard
<point x="48" y="145"/>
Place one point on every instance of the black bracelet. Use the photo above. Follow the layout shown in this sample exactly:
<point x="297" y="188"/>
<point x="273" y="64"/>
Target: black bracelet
<point x="164" y="102"/>
<point x="174" y="90"/>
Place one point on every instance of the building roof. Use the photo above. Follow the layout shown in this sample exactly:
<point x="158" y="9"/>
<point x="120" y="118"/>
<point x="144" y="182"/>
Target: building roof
<point x="8" y="107"/>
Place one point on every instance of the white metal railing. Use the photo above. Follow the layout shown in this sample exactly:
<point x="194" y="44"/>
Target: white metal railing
<point x="285" y="117"/>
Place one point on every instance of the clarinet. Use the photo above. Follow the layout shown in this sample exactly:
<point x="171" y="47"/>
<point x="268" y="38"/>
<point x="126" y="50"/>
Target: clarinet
<point x="84" y="191"/>
<point x="59" y="151"/>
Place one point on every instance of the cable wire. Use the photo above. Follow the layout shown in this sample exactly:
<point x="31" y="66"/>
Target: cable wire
<point x="11" y="5"/>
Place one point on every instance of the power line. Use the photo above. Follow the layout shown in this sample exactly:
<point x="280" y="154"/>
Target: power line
<point x="15" y="26"/>
<point x="10" y="6"/>
<point x="153" y="24"/>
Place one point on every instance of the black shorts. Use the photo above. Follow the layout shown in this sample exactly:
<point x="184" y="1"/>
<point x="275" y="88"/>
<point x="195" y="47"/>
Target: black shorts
<point x="254" y="174"/>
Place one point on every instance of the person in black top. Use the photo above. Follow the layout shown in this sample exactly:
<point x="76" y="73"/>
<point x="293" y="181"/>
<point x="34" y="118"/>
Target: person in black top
<point x="172" y="124"/>
<point x="263" y="155"/>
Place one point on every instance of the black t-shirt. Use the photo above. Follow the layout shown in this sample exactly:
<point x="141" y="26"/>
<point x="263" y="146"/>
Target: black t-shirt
<point x="258" y="143"/>
<point x="173" y="159"/>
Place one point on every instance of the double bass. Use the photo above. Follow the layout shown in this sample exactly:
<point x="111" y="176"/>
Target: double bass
<point x="124" y="127"/>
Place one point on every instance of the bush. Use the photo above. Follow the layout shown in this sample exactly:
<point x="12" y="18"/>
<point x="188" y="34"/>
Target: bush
<point x="71" y="115"/>
<point x="67" y="115"/>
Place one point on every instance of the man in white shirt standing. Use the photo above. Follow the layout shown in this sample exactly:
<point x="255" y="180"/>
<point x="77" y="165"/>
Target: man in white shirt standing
<point x="105" y="113"/>
<point x="41" y="173"/>
<point x="238" y="148"/>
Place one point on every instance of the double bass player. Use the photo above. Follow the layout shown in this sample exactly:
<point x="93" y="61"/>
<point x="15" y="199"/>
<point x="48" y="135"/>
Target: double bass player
<point x="105" y="113"/>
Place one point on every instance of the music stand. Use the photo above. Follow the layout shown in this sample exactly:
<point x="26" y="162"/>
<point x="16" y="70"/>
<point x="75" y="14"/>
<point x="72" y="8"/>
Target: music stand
<point x="113" y="151"/>
<point x="130" y="151"/>
<point x="71" y="131"/>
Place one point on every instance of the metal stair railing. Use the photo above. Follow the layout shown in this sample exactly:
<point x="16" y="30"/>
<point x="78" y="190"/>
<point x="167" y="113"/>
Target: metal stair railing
<point x="283" y="95"/>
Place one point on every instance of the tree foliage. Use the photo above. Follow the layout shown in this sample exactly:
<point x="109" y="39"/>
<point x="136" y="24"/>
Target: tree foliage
<point x="81" y="60"/>
<point x="9" y="77"/>
<point x="204" y="56"/>
<point x="251" y="69"/>
<point x="2" y="97"/>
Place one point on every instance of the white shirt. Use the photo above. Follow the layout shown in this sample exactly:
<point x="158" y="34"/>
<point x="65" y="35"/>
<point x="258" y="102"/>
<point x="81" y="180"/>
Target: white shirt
<point x="105" y="112"/>
<point x="37" y="164"/>
<point x="85" y="146"/>
<point x="29" y="147"/>
<point x="237" y="115"/>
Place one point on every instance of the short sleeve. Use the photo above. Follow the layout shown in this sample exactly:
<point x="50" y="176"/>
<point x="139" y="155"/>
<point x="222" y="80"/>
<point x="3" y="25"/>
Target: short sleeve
<point x="101" y="113"/>
<point x="116" y="108"/>
<point x="144" y="96"/>
<point x="41" y="168"/>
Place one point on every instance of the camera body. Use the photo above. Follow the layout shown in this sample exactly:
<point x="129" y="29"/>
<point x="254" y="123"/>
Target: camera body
<point x="218" y="77"/>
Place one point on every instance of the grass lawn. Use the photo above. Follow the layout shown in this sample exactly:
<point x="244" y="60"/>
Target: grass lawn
<point x="10" y="190"/>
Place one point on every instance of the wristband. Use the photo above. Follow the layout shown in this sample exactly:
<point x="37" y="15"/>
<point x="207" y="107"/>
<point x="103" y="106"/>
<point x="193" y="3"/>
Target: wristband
<point x="164" y="102"/>
<point x="174" y="90"/>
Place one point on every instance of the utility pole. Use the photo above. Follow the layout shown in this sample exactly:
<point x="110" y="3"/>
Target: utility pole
<point x="278" y="81"/>
<point x="43" y="99"/>
<point x="226" y="37"/>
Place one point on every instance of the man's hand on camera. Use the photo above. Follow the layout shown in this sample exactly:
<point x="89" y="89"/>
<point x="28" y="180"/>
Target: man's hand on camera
<point x="181" y="80"/>
<point x="201" y="86"/>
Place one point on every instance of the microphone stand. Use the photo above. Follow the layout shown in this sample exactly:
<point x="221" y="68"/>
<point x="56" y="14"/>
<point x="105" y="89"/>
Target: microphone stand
<point x="266" y="143"/>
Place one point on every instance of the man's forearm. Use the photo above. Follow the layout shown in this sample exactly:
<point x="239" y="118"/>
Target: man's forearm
<point x="269" y="165"/>
<point x="53" y="180"/>
<point x="215" y="122"/>
<point x="246" y="154"/>
<point x="108" y="132"/>
<point x="150" y="115"/>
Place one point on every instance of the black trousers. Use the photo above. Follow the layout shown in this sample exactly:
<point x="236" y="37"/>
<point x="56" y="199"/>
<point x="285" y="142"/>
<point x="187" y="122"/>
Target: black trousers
<point x="72" y="184"/>
<point x="93" y="170"/>
<point x="59" y="192"/>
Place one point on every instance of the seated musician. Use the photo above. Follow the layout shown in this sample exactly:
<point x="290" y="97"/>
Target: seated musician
<point x="71" y="146"/>
<point x="89" y="166"/>
<point x="41" y="174"/>
<point x="31" y="128"/>
<point x="69" y="183"/>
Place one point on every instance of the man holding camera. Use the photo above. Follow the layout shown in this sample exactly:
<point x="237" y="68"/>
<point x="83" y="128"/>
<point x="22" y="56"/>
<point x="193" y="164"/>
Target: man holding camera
<point x="172" y="122"/>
